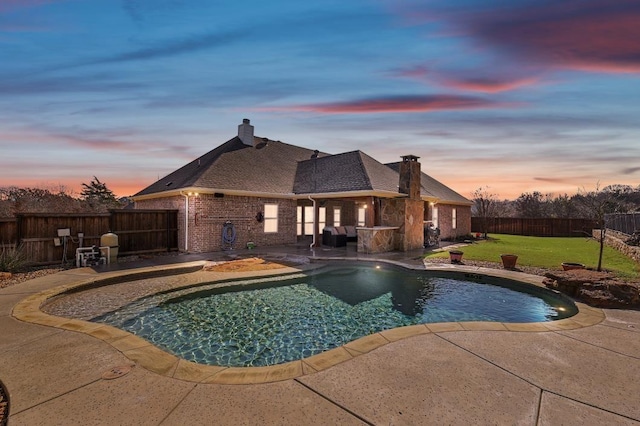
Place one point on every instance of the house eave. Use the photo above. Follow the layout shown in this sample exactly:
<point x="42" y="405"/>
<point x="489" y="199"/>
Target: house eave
<point x="350" y="194"/>
<point x="200" y="191"/>
<point x="325" y="195"/>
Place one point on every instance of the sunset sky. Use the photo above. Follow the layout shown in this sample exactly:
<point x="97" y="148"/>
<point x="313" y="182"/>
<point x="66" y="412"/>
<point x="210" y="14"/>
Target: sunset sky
<point x="519" y="96"/>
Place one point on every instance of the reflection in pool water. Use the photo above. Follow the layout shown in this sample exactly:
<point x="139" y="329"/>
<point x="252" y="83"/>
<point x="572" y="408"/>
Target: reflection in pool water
<point x="272" y="323"/>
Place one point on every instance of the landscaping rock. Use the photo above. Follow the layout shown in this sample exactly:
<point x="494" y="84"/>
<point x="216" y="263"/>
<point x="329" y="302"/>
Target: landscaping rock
<point x="599" y="289"/>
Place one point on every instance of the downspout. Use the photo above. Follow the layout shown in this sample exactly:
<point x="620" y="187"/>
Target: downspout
<point x="315" y="223"/>
<point x="186" y="221"/>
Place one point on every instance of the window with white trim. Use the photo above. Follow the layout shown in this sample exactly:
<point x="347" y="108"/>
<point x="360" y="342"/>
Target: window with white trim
<point x="299" y="220"/>
<point x="308" y="220"/>
<point x="454" y="219"/>
<point x="336" y="216"/>
<point x="270" y="218"/>
<point x="322" y="218"/>
<point x="362" y="214"/>
<point x="434" y="216"/>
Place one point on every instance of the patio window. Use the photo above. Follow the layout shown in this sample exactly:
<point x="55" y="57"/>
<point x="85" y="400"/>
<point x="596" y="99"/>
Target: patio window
<point x="270" y="218"/>
<point x="304" y="220"/>
<point x="322" y="218"/>
<point x="454" y="219"/>
<point x="308" y="220"/>
<point x="362" y="213"/>
<point x="299" y="220"/>
<point x="336" y="216"/>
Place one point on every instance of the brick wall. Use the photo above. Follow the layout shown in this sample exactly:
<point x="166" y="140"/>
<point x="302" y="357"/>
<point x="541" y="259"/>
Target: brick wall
<point x="463" y="221"/>
<point x="211" y="213"/>
<point x="208" y="214"/>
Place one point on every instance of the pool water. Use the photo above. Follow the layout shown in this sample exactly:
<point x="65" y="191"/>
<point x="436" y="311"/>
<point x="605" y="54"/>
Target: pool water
<point x="275" y="322"/>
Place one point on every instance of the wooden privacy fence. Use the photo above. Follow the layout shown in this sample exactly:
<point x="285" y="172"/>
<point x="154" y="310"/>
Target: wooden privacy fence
<point x="138" y="231"/>
<point x="626" y="223"/>
<point x="543" y="227"/>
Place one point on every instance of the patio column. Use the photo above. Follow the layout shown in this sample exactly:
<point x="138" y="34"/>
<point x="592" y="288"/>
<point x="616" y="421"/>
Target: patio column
<point x="370" y="215"/>
<point x="316" y="214"/>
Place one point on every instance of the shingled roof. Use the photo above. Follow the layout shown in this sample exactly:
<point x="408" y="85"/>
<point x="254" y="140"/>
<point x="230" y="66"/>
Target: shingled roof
<point x="347" y="172"/>
<point x="268" y="167"/>
<point x="257" y="166"/>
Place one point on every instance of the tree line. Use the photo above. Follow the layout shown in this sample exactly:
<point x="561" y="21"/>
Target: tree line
<point x="613" y="198"/>
<point x="584" y="204"/>
<point x="95" y="197"/>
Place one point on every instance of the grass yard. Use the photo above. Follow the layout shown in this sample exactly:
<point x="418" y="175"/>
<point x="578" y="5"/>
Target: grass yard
<point x="548" y="252"/>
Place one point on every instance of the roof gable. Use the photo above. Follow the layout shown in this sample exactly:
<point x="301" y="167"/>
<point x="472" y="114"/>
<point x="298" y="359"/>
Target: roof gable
<point x="346" y="172"/>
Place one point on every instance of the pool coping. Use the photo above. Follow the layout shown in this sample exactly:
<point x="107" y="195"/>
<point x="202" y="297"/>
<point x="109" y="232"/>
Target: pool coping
<point x="152" y="358"/>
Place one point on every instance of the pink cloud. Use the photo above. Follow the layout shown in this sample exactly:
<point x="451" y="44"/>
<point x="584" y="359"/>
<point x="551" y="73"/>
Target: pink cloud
<point x="587" y="35"/>
<point x="487" y="85"/>
<point x="393" y="104"/>
<point x="495" y="84"/>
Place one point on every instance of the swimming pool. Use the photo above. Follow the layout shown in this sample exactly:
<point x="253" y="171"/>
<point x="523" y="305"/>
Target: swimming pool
<point x="268" y="322"/>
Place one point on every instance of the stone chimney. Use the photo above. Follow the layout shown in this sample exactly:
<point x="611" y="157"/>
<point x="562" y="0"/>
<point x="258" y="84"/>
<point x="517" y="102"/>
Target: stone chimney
<point x="410" y="177"/>
<point x="245" y="132"/>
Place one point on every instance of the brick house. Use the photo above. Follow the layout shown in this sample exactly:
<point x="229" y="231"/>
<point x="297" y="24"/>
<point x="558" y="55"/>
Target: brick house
<point x="253" y="189"/>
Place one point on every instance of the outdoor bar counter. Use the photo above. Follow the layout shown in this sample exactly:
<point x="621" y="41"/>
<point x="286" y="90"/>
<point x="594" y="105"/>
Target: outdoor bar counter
<point x="377" y="239"/>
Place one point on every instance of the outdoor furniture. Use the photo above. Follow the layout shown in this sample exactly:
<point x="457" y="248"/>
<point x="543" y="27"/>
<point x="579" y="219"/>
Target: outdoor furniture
<point x="351" y="232"/>
<point x="333" y="238"/>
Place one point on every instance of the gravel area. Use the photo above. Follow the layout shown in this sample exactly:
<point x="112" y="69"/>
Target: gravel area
<point x="18" y="277"/>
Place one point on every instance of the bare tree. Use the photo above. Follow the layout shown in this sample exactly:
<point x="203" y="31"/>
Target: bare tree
<point x="485" y="207"/>
<point x="599" y="203"/>
<point x="15" y="200"/>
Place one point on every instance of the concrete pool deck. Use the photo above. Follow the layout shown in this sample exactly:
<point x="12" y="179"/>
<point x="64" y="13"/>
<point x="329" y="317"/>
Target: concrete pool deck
<point x="584" y="369"/>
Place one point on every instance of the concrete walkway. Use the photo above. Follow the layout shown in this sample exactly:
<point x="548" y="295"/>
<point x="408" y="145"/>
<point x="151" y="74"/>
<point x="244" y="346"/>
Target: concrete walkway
<point x="448" y="374"/>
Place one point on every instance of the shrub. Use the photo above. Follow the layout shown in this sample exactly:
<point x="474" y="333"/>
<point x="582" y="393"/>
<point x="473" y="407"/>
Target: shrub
<point x="12" y="259"/>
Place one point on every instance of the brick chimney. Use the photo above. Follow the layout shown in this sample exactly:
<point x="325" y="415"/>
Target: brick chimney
<point x="410" y="176"/>
<point x="245" y="132"/>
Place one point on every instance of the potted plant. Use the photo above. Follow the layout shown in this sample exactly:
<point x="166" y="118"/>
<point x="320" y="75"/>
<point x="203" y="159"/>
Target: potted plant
<point x="569" y="266"/>
<point x="509" y="260"/>
<point x="456" y="256"/>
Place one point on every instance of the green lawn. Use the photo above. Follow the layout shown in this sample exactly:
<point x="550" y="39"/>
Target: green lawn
<point x="548" y="252"/>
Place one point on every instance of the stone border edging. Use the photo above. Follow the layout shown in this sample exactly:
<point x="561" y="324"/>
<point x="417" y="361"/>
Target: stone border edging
<point x="150" y="357"/>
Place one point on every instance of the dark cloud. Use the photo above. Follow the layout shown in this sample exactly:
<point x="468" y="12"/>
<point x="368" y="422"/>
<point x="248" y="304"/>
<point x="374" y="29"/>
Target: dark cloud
<point x="630" y="170"/>
<point x="562" y="180"/>
<point x="592" y="35"/>
<point x="391" y="104"/>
